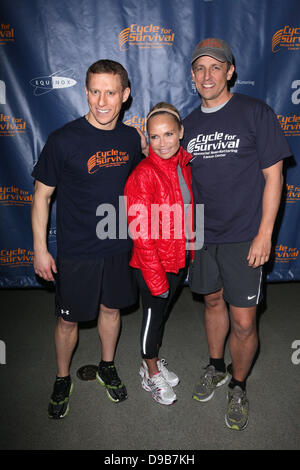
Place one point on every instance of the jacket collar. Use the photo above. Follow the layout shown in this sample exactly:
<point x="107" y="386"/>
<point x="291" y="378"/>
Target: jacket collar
<point x="182" y="157"/>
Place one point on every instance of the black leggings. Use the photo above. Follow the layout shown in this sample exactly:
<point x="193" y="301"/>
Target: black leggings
<point x="154" y="312"/>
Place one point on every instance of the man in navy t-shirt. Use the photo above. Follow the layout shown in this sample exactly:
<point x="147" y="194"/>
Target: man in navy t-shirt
<point x="88" y="162"/>
<point x="237" y="147"/>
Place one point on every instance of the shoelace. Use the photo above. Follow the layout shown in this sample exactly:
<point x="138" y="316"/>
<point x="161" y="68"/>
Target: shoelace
<point x="60" y="389"/>
<point x="163" y="362"/>
<point x="208" y="377"/>
<point x="113" y="376"/>
<point x="235" y="403"/>
<point x="158" y="381"/>
<point x="162" y="367"/>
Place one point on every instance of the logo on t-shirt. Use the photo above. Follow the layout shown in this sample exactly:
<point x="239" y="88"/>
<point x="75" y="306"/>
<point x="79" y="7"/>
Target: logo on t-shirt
<point x="109" y="158"/>
<point x="213" y="145"/>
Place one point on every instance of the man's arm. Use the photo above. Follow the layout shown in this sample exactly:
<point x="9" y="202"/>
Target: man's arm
<point x="44" y="264"/>
<point x="260" y="248"/>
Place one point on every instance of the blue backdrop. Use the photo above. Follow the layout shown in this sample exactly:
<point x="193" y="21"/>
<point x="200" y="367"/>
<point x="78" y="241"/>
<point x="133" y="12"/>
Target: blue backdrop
<point x="47" y="46"/>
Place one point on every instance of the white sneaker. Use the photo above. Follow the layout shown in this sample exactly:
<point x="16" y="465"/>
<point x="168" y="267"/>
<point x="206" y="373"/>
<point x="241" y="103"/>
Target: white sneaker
<point x="169" y="376"/>
<point x="161" y="391"/>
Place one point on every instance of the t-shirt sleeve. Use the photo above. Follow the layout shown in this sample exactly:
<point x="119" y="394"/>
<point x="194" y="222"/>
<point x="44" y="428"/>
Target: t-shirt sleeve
<point x="271" y="143"/>
<point x="49" y="166"/>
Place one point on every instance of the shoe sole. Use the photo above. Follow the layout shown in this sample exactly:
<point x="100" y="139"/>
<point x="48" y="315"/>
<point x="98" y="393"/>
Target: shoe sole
<point x="203" y="400"/>
<point x="172" y="384"/>
<point x="98" y="378"/>
<point x="148" y="389"/>
<point x="68" y="406"/>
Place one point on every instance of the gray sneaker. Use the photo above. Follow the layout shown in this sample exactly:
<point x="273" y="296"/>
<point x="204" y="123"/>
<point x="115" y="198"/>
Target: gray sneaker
<point x="236" y="416"/>
<point x="209" y="381"/>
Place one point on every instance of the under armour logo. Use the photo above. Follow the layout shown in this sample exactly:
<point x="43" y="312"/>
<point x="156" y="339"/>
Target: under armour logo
<point x="65" y="312"/>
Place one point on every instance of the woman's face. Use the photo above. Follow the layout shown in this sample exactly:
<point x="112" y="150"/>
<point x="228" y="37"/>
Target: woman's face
<point x="164" y="135"/>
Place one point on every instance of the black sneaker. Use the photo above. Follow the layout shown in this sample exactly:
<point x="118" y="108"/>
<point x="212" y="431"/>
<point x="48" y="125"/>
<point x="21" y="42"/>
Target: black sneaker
<point x="108" y="377"/>
<point x="59" y="402"/>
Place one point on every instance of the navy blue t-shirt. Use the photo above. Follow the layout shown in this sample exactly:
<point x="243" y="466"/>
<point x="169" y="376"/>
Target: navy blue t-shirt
<point x="231" y="146"/>
<point x="89" y="167"/>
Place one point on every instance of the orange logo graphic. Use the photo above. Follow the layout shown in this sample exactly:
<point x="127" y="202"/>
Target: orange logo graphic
<point x="10" y="126"/>
<point x="7" y="34"/>
<point x="106" y="159"/>
<point x="16" y="257"/>
<point x="292" y="193"/>
<point x="146" y="36"/>
<point x="284" y="254"/>
<point x="11" y="196"/>
<point x="137" y="121"/>
<point x="286" y="37"/>
<point x="290" y="124"/>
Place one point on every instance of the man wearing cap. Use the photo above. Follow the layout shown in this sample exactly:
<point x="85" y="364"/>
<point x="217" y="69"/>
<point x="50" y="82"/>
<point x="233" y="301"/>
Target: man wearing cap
<point x="237" y="147"/>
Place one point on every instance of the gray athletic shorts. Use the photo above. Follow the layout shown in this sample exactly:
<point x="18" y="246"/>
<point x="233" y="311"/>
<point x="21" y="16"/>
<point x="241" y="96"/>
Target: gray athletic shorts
<point x="226" y="266"/>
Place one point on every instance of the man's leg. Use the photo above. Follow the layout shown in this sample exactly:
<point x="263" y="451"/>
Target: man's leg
<point x="216" y="323"/>
<point x="109" y="323"/>
<point x="66" y="336"/>
<point x="243" y="340"/>
<point x="217" y="327"/>
<point x="243" y="344"/>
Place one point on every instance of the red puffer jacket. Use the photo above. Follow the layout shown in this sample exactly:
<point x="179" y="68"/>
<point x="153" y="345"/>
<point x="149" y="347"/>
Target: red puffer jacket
<point x="159" y="243"/>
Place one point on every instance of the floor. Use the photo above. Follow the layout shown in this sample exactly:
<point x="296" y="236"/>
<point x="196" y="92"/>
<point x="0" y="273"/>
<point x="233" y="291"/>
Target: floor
<point x="27" y="372"/>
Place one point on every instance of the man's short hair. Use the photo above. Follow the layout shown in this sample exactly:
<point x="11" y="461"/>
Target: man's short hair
<point x="108" y="66"/>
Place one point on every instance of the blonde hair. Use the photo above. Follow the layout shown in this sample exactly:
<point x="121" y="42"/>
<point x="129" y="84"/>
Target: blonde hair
<point x="163" y="107"/>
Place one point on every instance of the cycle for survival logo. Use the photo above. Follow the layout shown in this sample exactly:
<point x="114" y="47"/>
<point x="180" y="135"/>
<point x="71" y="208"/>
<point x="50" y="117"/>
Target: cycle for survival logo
<point x="146" y="37"/>
<point x="106" y="159"/>
<point x="214" y="145"/>
<point x="288" y="37"/>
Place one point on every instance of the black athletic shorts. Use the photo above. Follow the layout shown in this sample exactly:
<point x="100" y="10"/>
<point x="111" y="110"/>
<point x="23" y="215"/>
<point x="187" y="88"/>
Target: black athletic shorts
<point x="82" y="285"/>
<point x="226" y="266"/>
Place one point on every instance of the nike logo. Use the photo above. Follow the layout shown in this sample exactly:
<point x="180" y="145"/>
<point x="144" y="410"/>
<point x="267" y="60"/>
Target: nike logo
<point x="251" y="297"/>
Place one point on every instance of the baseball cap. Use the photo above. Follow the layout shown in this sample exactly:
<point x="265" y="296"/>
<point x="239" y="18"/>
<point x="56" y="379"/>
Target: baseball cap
<point x="213" y="47"/>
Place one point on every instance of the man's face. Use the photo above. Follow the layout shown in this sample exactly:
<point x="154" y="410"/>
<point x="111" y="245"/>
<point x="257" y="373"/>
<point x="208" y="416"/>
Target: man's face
<point x="105" y="97"/>
<point x="210" y="77"/>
